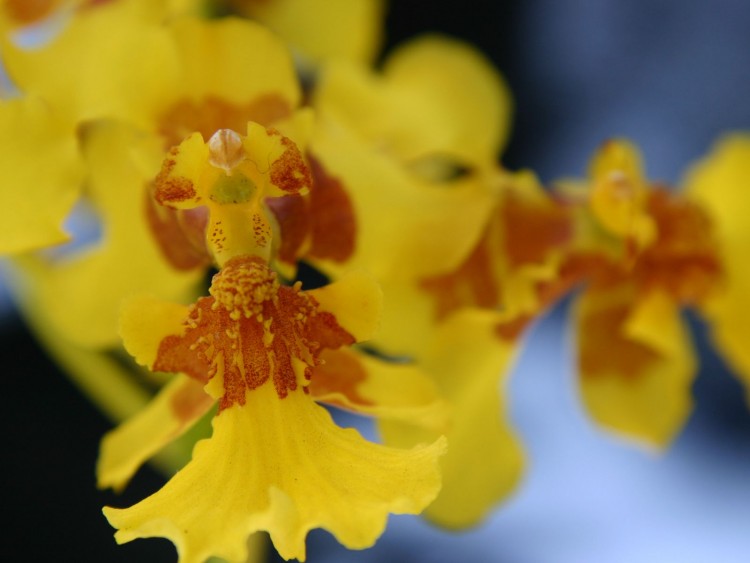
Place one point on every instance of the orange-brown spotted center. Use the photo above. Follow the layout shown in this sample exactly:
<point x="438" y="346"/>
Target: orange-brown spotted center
<point x="251" y="330"/>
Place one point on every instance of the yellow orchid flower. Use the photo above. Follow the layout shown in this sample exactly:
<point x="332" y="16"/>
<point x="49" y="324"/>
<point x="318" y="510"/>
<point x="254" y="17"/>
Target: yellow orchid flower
<point x="645" y="253"/>
<point x="276" y="461"/>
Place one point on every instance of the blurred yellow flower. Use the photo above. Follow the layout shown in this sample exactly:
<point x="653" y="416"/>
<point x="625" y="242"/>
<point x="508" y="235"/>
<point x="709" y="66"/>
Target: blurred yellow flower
<point x="644" y="253"/>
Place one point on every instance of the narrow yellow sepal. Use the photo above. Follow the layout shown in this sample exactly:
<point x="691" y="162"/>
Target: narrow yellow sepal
<point x="176" y="407"/>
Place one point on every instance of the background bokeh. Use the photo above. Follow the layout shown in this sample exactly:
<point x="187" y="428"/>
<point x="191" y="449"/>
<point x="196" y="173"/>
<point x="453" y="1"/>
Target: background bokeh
<point x="672" y="75"/>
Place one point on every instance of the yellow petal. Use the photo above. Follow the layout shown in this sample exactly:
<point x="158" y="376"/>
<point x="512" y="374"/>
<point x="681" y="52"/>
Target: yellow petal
<point x="284" y="467"/>
<point x="171" y="413"/>
<point x="391" y="238"/>
<point x="469" y="363"/>
<point x="371" y="386"/>
<point x="42" y="174"/>
<point x="408" y="322"/>
<point x="235" y="60"/>
<point x="356" y="300"/>
<point x="720" y="184"/>
<point x="469" y="101"/>
<point x="383" y="142"/>
<point x="323" y="29"/>
<point x="81" y="293"/>
<point x="145" y="321"/>
<point x="112" y="61"/>
<point x="636" y="361"/>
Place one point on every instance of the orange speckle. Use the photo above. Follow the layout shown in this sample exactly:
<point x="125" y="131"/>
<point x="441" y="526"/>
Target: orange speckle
<point x="289" y="172"/>
<point x="169" y="189"/>
<point x="521" y="232"/>
<point x="251" y="330"/>
<point x="173" y="190"/>
<point x="334" y="226"/>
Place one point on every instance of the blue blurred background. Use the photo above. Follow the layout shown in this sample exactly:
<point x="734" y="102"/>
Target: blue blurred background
<point x="670" y="74"/>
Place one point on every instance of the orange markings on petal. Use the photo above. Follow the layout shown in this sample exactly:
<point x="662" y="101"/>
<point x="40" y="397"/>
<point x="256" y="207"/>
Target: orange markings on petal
<point x="333" y="223"/>
<point x="212" y="113"/>
<point x="683" y="260"/>
<point x="321" y="224"/>
<point x="189" y="403"/>
<point x="605" y="349"/>
<point x="289" y="172"/>
<point x="27" y="12"/>
<point x="293" y="219"/>
<point x="170" y="189"/>
<point x="533" y="228"/>
<point x="339" y="374"/>
<point x="179" y="234"/>
<point x="473" y="283"/>
<point x="251" y="330"/>
<point x="522" y="231"/>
